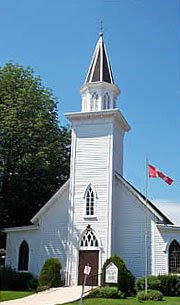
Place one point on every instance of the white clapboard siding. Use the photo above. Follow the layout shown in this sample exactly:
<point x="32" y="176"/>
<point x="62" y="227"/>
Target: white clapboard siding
<point x="163" y="236"/>
<point x="92" y="164"/>
<point x="129" y="230"/>
<point x="49" y="240"/>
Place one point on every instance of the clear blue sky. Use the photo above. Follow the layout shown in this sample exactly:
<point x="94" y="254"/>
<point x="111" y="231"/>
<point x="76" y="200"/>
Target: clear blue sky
<point x="57" y="39"/>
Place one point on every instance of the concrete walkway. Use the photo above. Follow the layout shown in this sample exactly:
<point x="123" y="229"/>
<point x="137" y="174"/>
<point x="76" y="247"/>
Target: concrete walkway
<point x="50" y="297"/>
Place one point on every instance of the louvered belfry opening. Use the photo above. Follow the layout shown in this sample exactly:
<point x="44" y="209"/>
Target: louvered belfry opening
<point x="174" y="257"/>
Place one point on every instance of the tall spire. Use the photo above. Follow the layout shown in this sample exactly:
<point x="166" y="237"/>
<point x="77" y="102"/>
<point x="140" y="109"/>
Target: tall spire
<point x="100" y="69"/>
<point x="99" y="91"/>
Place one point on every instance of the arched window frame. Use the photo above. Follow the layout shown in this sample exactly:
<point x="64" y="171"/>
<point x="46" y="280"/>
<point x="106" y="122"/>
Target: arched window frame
<point x="23" y="256"/>
<point x="89" y="244"/>
<point x="106" y="101"/>
<point x="94" y="102"/>
<point x="86" y="194"/>
<point x="174" y="263"/>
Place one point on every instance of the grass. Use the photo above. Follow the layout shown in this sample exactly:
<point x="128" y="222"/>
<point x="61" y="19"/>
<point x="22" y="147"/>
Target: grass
<point x="12" y="295"/>
<point x="129" y="301"/>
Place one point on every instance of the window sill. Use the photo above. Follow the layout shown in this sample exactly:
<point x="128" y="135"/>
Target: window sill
<point x="90" y="217"/>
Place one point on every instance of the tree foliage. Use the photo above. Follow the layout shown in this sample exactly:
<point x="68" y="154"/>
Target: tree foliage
<point x="34" y="149"/>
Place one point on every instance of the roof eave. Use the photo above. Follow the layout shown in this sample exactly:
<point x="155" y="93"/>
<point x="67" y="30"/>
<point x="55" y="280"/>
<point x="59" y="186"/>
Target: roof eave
<point x="152" y="208"/>
<point x="50" y="201"/>
<point x="20" y="229"/>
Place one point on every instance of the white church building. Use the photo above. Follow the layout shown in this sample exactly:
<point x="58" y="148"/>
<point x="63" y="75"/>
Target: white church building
<point x="96" y="213"/>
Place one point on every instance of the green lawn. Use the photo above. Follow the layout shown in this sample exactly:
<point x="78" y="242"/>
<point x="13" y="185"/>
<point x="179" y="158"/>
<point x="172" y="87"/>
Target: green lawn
<point x="11" y="295"/>
<point x="129" y="301"/>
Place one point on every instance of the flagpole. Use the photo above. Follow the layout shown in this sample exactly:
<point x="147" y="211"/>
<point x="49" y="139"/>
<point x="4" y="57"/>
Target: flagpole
<point x="146" y="229"/>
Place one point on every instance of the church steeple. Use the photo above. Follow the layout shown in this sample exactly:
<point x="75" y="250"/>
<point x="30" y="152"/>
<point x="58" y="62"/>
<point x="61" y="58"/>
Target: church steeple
<point x="100" y="69"/>
<point x="99" y="91"/>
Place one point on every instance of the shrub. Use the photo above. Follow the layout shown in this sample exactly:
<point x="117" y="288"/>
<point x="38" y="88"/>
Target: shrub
<point x="170" y="284"/>
<point x="106" y="292"/>
<point x="42" y="288"/>
<point x="153" y="295"/>
<point x="50" y="274"/>
<point x="153" y="283"/>
<point x="13" y="280"/>
<point x="33" y="284"/>
<point x="125" y="277"/>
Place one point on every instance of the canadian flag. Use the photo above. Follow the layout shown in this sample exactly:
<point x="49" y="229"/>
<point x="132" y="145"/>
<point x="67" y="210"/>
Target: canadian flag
<point x="154" y="173"/>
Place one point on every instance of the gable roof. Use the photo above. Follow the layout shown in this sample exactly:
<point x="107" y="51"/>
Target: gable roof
<point x="151" y="207"/>
<point x="51" y="201"/>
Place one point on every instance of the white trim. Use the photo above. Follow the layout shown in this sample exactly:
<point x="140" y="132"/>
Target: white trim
<point x="109" y="67"/>
<point x="168" y="227"/>
<point x="88" y="248"/>
<point x="167" y="244"/>
<point x="110" y="193"/>
<point x="100" y="85"/>
<point x="51" y="201"/>
<point x="167" y="252"/>
<point x="100" y="114"/>
<point x="17" y="229"/>
<point x="93" y="188"/>
<point x="91" y="217"/>
<point x="71" y="212"/>
<point x="95" y="233"/>
<point x="101" y="58"/>
<point x="153" y="252"/>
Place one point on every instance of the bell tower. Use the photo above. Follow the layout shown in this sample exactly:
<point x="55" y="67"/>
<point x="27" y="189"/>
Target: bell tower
<point x="99" y="91"/>
<point x="96" y="154"/>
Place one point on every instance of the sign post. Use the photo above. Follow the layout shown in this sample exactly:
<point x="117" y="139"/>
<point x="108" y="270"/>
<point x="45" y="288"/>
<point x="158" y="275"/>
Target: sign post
<point x="87" y="270"/>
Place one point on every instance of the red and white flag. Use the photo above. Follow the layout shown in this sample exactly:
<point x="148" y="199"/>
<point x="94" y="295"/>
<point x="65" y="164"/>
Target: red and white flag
<point x="154" y="173"/>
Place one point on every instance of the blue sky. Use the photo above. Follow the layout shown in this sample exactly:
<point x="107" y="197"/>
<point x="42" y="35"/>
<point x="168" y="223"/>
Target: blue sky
<point x="57" y="38"/>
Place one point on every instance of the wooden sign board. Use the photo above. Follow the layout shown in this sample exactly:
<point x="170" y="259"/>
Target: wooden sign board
<point x="111" y="273"/>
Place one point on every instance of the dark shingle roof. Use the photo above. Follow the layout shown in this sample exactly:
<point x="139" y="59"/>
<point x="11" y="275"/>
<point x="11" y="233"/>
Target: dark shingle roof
<point x="100" y="69"/>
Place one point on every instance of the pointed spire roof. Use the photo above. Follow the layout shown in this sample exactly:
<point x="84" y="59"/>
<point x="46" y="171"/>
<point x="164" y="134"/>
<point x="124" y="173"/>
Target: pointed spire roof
<point x="100" y="69"/>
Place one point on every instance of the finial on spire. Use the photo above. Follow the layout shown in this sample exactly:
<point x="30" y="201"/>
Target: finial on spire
<point x="101" y="29"/>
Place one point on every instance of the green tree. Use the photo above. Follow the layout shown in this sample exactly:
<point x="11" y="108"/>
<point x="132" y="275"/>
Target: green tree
<point x="34" y="149"/>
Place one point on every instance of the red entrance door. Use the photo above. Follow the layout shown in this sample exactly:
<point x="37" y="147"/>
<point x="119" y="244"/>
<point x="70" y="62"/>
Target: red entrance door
<point x="92" y="258"/>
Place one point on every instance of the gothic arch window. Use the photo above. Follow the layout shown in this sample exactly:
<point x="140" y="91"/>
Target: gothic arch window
<point x="23" y="256"/>
<point x="106" y="101"/>
<point x="174" y="257"/>
<point x="89" y="238"/>
<point x="94" y="102"/>
<point x="90" y="201"/>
